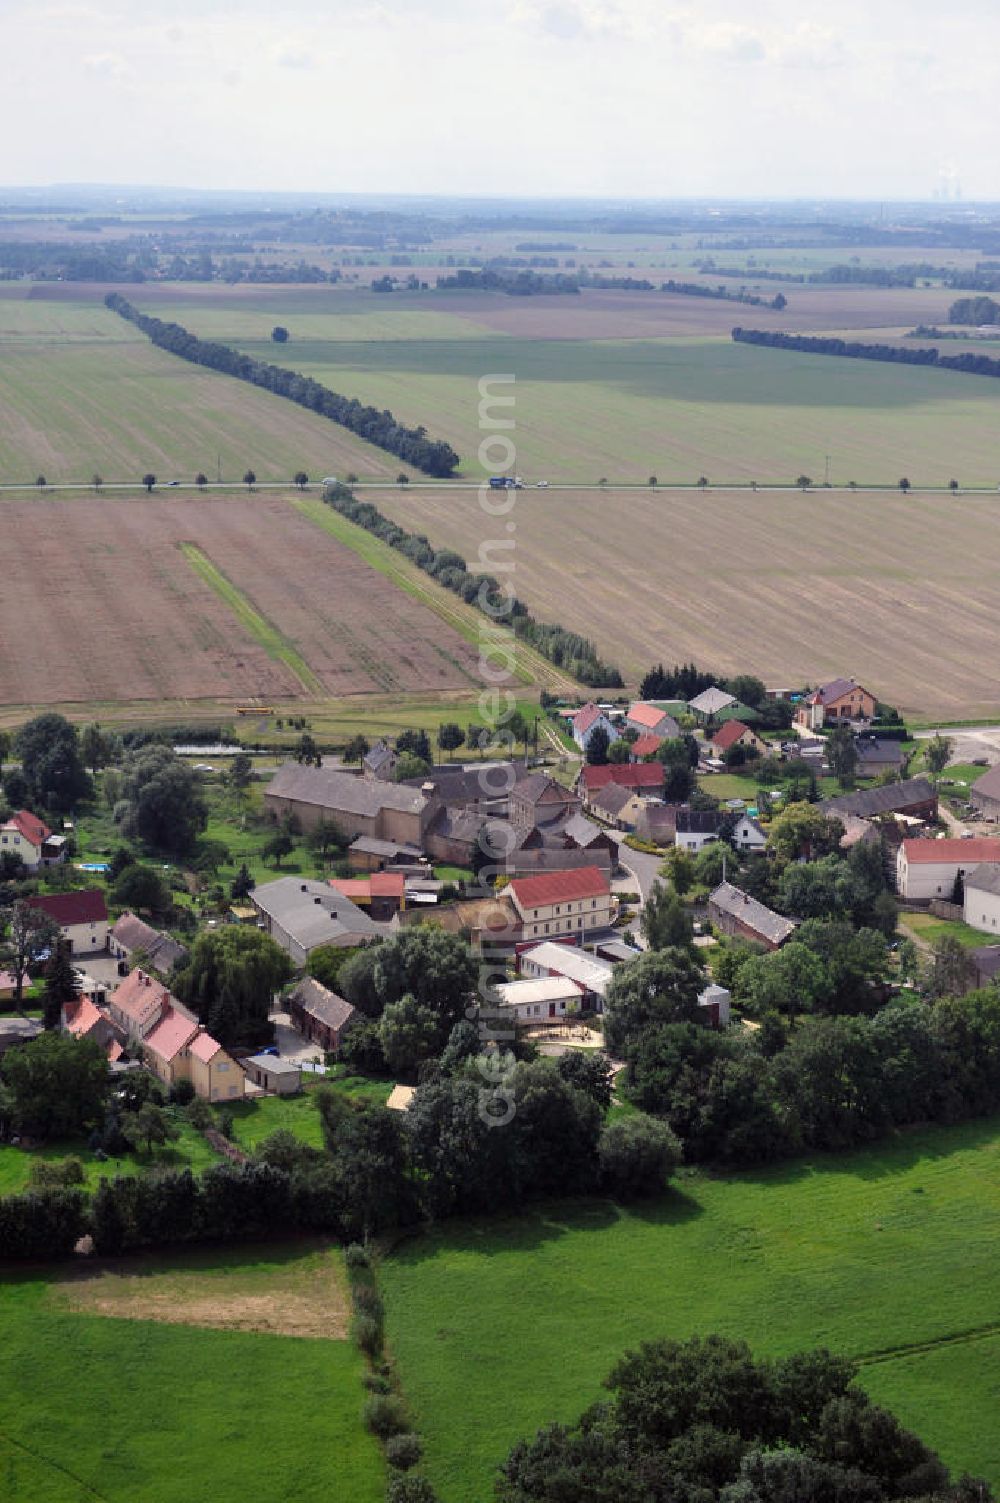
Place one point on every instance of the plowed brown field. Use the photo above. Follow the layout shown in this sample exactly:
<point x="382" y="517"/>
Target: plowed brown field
<point x="101" y="604"/>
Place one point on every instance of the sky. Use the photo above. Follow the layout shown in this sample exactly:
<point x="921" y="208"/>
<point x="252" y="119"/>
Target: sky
<point x="875" y="99"/>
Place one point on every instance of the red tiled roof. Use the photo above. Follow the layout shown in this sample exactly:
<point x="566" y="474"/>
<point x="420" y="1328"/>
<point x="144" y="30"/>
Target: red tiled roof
<point x="727" y="735"/>
<point x="584" y="719"/>
<point x="115" y="1051"/>
<point x="33" y="830"/>
<point x="646" y="746"/>
<point x="941" y="852"/>
<point x="140" y="997"/>
<point x="352" y="887"/>
<point x="84" y="1017"/>
<point x="171" y="1033"/>
<point x="628" y="774"/>
<point x="645" y="714"/>
<point x="67" y="908"/>
<point x="560" y="887"/>
<point x="388" y="885"/>
<point x="836" y="689"/>
<point x="205" y="1047"/>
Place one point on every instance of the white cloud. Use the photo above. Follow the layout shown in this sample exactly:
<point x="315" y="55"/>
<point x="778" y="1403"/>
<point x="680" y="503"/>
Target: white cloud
<point x="108" y="65"/>
<point x="294" y="54"/>
<point x="729" y="40"/>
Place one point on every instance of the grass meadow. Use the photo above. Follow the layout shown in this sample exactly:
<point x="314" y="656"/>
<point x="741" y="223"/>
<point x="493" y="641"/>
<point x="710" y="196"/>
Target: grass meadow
<point x="123" y="1409"/>
<point x="886" y="1255"/>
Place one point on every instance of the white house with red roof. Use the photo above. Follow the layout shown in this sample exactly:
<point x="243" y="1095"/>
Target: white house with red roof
<point x="587" y="721"/>
<point x="25" y="835"/>
<point x="82" y="918"/>
<point x="569" y="904"/>
<point x="650" y="720"/>
<point x="928" y="868"/>
<point x="735" y="733"/>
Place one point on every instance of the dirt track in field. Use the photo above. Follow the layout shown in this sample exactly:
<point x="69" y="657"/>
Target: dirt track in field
<point x="898" y="592"/>
<point x="103" y="605"/>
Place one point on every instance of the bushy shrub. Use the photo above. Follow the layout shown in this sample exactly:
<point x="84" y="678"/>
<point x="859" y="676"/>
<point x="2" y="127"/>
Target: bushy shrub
<point x="384" y="1415"/>
<point x="356" y="1256"/>
<point x="368" y="1301"/>
<point x="637" y="1156"/>
<point x="403" y="1451"/>
<point x="368" y="1335"/>
<point x="375" y="1383"/>
<point x="410" y="1490"/>
<point x="50" y="1174"/>
<point x="182" y="1093"/>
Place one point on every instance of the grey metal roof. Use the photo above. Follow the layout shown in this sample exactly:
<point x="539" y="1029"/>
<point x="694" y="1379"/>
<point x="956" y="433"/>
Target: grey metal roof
<point x="331" y="789"/>
<point x="889" y="799"/>
<point x="581" y="830"/>
<point x="709" y="701"/>
<point x="985" y="878"/>
<point x="373" y="847"/>
<point x="312" y="913"/>
<point x="989" y="784"/>
<point x="740" y="905"/>
<point x="273" y="1063"/>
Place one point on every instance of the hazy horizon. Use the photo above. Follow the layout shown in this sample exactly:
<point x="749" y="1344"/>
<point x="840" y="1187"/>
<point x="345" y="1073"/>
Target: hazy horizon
<point x="568" y="99"/>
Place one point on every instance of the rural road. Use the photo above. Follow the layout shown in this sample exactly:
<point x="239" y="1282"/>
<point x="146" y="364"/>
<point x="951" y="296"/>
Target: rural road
<point x="475" y="485"/>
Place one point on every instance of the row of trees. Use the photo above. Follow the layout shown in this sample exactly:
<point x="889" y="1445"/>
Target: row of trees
<point x="568" y="650"/>
<point x="971" y="363"/>
<point x="727" y="294"/>
<point x="433" y="456"/>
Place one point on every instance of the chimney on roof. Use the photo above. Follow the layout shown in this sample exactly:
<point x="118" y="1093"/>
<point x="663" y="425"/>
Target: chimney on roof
<point x="304" y="888"/>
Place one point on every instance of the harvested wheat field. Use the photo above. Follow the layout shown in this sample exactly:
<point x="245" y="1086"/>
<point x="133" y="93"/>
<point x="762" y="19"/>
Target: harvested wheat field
<point x="303" y="1296"/>
<point x="898" y="591"/>
<point x="192" y="598"/>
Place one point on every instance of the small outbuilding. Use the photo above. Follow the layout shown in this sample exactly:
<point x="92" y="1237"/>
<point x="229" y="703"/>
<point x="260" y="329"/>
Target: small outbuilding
<point x="279" y="1077"/>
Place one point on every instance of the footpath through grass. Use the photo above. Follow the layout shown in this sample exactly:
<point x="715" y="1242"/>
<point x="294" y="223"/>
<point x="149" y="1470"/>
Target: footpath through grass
<point x="501" y="1326"/>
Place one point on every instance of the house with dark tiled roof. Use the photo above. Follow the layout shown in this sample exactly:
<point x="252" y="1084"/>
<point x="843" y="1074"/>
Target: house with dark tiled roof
<point x="537" y="800"/>
<point x="132" y="939"/>
<point x="319" y="1014"/>
<point x="696" y="828"/>
<point x="380" y="762"/>
<point x="736" y="912"/>
<point x="82" y="918"/>
<point x="644" y="778"/>
<point x="837" y="703"/>
<point x="878" y="754"/>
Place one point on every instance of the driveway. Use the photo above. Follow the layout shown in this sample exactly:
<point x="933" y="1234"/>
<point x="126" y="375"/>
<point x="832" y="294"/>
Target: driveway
<point x="290" y="1042"/>
<point x="968" y="742"/>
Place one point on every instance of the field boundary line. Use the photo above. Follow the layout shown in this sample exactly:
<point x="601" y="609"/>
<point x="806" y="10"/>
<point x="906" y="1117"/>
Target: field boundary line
<point x="918" y="1348"/>
<point x="264" y="632"/>
<point x="56" y="1466"/>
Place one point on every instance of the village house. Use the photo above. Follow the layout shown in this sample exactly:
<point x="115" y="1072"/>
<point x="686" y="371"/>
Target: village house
<point x="650" y="720"/>
<point x="982" y="898"/>
<point x="175" y="1046"/>
<point x="379" y="762"/>
<point x="572" y="904"/>
<point x="915" y="798"/>
<point x="835" y="703"/>
<point x="734" y="733"/>
<point x="643" y="778"/>
<point x="84" y="1019"/>
<point x="132" y="939"/>
<point x="735" y="912"/>
<point x="747" y="834"/>
<point x="656" y="822"/>
<point x="82" y="918"/>
<point x="711" y="702"/>
<point x="878" y="754"/>
<point x="541" y="1000"/>
<point x="696" y="828"/>
<point x="586" y="722"/>
<point x="929" y="868"/>
<point x="380" y="896"/>
<point x="568" y="960"/>
<point x="984" y="794"/>
<point x="320" y="1015"/>
<point x="615" y="805"/>
<point x="300" y="916"/>
<point x="353" y="805"/>
<point x="538" y="800"/>
<point x="26" y="836"/>
<point x="279" y="1077"/>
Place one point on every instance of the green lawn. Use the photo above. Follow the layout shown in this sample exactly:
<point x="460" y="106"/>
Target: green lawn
<point x="122" y="1410"/>
<point x="190" y="1151"/>
<point x="257" y="1118"/>
<point x="926" y="927"/>
<point x="509" y="1324"/>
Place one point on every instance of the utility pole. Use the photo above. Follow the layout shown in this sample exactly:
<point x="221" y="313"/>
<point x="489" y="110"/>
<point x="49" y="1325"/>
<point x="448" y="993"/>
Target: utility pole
<point x="826" y="474"/>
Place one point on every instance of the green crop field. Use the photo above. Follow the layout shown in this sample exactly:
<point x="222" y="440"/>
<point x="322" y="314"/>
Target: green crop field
<point x="886" y="1255"/>
<point x="97" y="1408"/>
<point x="895" y="590"/>
<point x="83" y="392"/>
